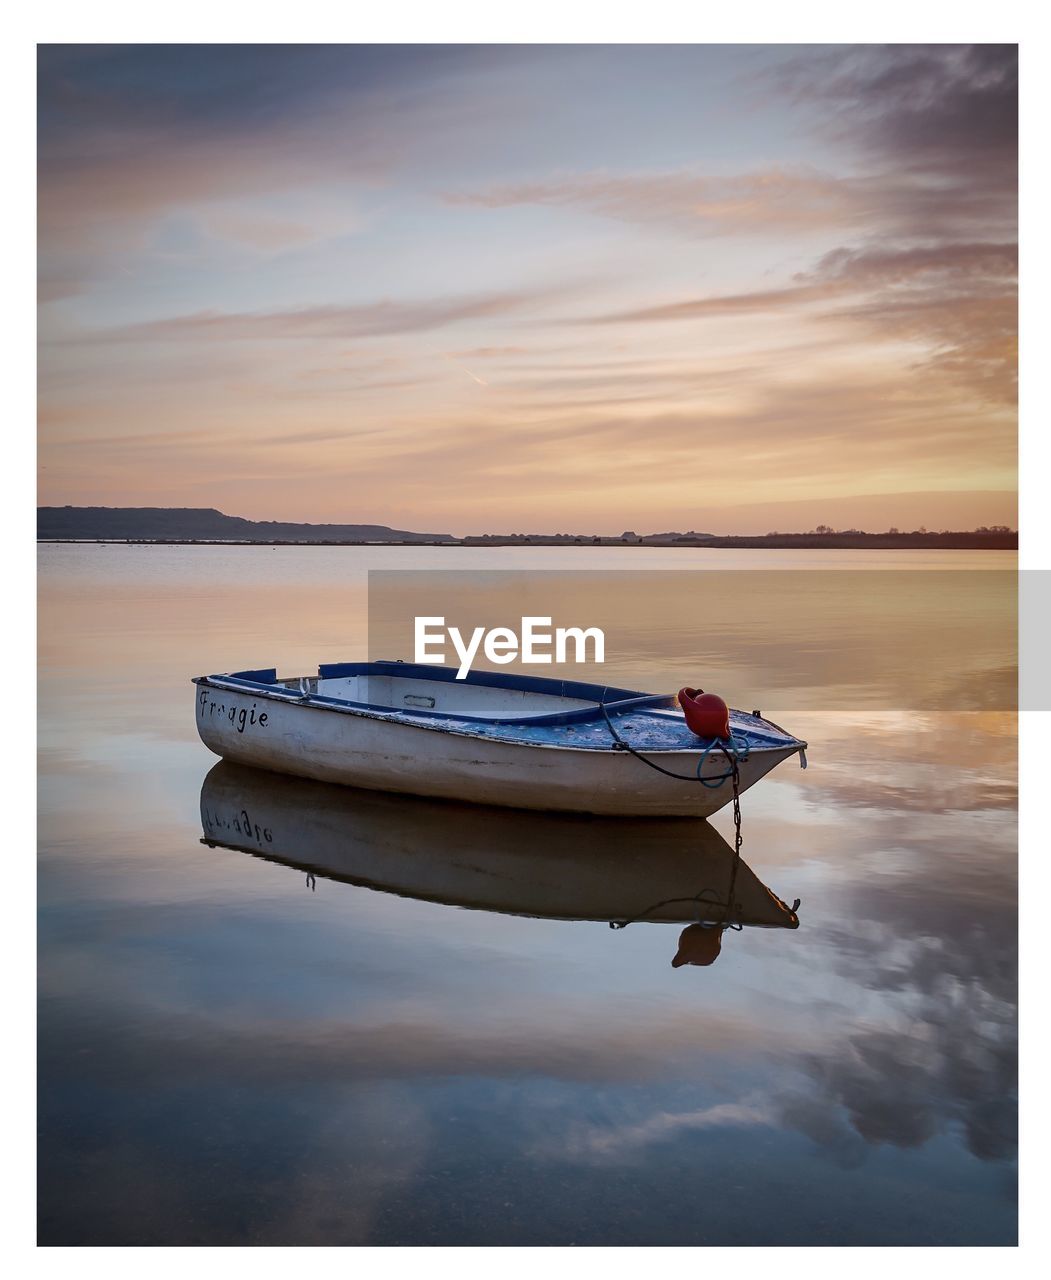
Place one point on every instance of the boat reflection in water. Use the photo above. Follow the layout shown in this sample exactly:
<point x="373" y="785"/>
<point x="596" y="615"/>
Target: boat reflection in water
<point x="544" y="865"/>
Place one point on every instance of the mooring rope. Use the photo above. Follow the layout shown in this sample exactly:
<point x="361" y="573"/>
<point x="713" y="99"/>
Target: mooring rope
<point x="738" y="751"/>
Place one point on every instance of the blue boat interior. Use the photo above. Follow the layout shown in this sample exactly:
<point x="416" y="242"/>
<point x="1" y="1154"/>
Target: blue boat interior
<point x="504" y="706"/>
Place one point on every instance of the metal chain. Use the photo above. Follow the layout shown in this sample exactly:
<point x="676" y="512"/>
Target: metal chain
<point x="731" y="905"/>
<point x="734" y="773"/>
<point x="703" y="897"/>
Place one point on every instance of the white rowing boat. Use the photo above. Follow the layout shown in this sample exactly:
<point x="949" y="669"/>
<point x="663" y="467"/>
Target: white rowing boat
<point x="493" y="738"/>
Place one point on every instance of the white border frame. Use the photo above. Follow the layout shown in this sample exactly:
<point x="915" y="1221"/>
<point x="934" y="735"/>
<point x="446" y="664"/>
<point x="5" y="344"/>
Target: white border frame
<point x="119" y="21"/>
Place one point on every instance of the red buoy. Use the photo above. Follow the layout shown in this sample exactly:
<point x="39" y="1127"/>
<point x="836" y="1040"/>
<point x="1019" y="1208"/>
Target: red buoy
<point x="698" y="945"/>
<point x="706" y="714"/>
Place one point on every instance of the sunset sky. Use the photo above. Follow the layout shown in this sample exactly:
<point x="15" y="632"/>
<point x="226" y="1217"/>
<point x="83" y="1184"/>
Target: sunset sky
<point x="528" y="288"/>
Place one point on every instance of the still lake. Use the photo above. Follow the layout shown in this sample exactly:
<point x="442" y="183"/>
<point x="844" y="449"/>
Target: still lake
<point x="234" y="1050"/>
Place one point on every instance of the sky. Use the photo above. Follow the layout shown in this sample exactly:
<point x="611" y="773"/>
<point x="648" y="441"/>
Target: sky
<point x="582" y="289"/>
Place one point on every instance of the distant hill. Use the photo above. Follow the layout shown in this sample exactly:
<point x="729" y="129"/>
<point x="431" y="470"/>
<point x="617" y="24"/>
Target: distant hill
<point x="204" y="524"/>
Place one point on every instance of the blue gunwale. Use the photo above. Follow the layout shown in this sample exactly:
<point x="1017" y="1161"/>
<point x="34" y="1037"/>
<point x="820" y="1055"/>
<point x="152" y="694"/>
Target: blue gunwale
<point x="263" y="682"/>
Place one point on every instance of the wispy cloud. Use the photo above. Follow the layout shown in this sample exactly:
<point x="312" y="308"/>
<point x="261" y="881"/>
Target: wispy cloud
<point x="741" y="204"/>
<point x="956" y="300"/>
<point x="937" y="110"/>
<point x="328" y="323"/>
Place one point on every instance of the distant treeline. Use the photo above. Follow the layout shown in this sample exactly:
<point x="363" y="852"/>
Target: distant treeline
<point x="205" y="524"/>
<point x="945" y="540"/>
<point x="995" y="538"/>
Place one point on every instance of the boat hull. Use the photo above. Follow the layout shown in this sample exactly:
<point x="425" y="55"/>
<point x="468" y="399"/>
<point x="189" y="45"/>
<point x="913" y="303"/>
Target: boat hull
<point x="380" y="753"/>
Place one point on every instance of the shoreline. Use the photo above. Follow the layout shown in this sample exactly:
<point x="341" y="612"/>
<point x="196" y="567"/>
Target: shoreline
<point x="801" y="542"/>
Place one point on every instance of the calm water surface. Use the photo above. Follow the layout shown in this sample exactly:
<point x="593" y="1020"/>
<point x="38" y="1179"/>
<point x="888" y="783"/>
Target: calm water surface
<point x="234" y="1051"/>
